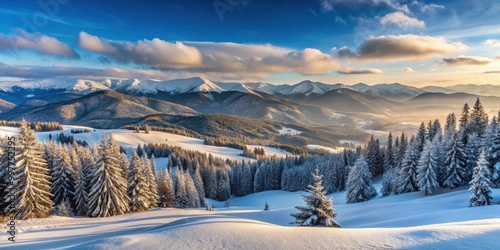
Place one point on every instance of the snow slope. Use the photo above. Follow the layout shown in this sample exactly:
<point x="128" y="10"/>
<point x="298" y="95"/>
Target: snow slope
<point x="129" y="140"/>
<point x="409" y="221"/>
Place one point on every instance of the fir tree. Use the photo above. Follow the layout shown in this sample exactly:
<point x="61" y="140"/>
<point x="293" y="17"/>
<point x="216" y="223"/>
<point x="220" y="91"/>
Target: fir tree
<point x="407" y="176"/>
<point x="455" y="173"/>
<point x="319" y="210"/>
<point x="166" y="189"/>
<point x="137" y="185"/>
<point x="63" y="177"/>
<point x="480" y="184"/>
<point x="426" y="169"/>
<point x="478" y="119"/>
<point x="359" y="183"/>
<point x="81" y="197"/>
<point x="30" y="193"/>
<point x="108" y="194"/>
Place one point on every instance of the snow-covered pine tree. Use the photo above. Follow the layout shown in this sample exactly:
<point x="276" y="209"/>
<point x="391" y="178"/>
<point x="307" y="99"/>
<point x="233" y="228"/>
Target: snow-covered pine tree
<point x="81" y="196"/>
<point x="137" y="185"/>
<point x="426" y="169"/>
<point x="480" y="184"/>
<point x="373" y="157"/>
<point x="359" y="183"/>
<point x="30" y="193"/>
<point x="420" y="138"/>
<point x="192" y="193"/>
<point x="198" y="183"/>
<point x="493" y="156"/>
<point x="108" y="194"/>
<point x="407" y="176"/>
<point x="472" y="151"/>
<point x="478" y="119"/>
<point x="63" y="177"/>
<point x="224" y="188"/>
<point x="455" y="174"/>
<point x="152" y="187"/>
<point x="181" y="198"/>
<point x="319" y="210"/>
<point x="166" y="189"/>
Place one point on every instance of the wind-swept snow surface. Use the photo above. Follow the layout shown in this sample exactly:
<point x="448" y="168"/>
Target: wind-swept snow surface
<point x="410" y="221"/>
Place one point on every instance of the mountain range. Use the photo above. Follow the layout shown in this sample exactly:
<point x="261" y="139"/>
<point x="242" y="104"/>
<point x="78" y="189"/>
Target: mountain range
<point x="111" y="103"/>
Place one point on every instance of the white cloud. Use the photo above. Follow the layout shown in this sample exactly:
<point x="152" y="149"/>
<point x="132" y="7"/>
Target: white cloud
<point x="351" y="71"/>
<point x="402" y="47"/>
<point x="423" y="7"/>
<point x="465" y="61"/>
<point x="155" y="53"/>
<point x="401" y="20"/>
<point x="42" y="44"/>
<point x="29" y="71"/>
<point x="205" y="57"/>
<point x="492" y="42"/>
<point x="329" y="5"/>
<point x="408" y="70"/>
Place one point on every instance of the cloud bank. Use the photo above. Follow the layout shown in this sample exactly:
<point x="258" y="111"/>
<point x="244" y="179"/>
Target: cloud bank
<point x="465" y="61"/>
<point x="206" y="57"/>
<point x="350" y="71"/>
<point x="39" y="43"/>
<point x="402" y="47"/>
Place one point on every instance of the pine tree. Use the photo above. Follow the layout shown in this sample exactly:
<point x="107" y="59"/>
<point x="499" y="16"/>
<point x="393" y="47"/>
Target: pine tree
<point x="455" y="173"/>
<point x="63" y="177"/>
<point x="359" y="183"/>
<point x="478" y="119"/>
<point x="319" y="210"/>
<point x="137" y="185"/>
<point x="198" y="183"/>
<point x="81" y="197"/>
<point x="426" y="169"/>
<point x="166" y="189"/>
<point x="480" y="184"/>
<point x="464" y="118"/>
<point x="151" y="186"/>
<point x="108" y="194"/>
<point x="30" y="193"/>
<point x="181" y="196"/>
<point x="407" y="176"/>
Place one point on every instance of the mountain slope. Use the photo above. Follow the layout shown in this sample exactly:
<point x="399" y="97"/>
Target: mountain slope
<point x="105" y="108"/>
<point x="350" y="101"/>
<point x="390" y="91"/>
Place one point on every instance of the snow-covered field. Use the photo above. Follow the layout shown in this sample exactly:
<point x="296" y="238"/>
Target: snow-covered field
<point x="128" y="139"/>
<point x="408" y="221"/>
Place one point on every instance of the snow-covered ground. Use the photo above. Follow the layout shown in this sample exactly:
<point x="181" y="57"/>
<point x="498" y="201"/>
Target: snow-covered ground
<point x="128" y="139"/>
<point x="409" y="221"/>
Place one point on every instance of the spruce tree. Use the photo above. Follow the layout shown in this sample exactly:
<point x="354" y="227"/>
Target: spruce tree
<point x="137" y="185"/>
<point x="166" y="189"/>
<point x="455" y="174"/>
<point x="319" y="210"/>
<point x="152" y="187"/>
<point x="478" y="119"/>
<point x="81" y="196"/>
<point x="359" y="183"/>
<point x="480" y="184"/>
<point x="407" y="176"/>
<point x="63" y="177"/>
<point x="30" y="193"/>
<point x="108" y="194"/>
<point x="426" y="169"/>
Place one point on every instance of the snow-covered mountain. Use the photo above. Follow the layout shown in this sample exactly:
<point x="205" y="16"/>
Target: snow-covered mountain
<point x="391" y="91"/>
<point x="307" y="88"/>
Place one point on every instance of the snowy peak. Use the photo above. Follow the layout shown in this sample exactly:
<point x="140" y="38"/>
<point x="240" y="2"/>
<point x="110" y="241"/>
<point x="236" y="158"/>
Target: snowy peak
<point x="308" y="88"/>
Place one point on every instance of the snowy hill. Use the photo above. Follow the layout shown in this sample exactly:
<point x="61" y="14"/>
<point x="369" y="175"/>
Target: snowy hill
<point x="129" y="140"/>
<point x="409" y="221"/>
<point x="307" y="88"/>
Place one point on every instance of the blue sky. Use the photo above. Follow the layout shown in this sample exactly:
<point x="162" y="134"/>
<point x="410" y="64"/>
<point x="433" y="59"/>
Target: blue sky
<point x="415" y="42"/>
